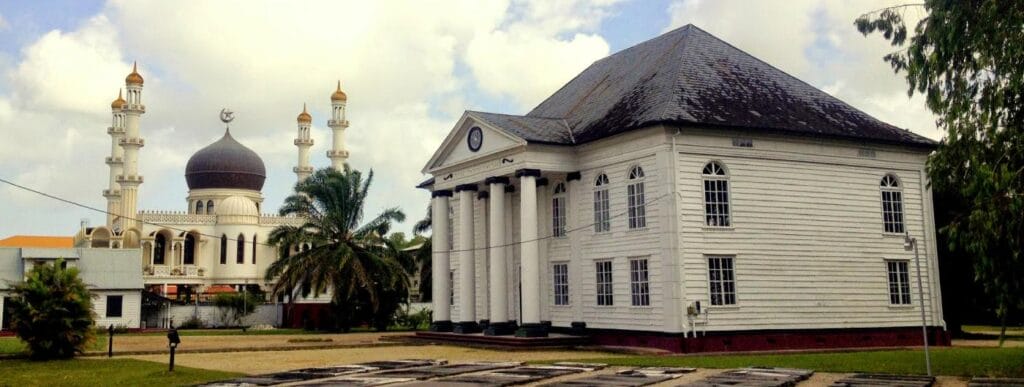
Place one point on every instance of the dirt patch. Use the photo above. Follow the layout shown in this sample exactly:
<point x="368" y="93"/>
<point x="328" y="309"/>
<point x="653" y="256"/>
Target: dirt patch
<point x="275" y="361"/>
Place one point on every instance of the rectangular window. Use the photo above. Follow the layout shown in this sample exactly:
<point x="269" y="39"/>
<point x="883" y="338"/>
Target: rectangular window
<point x="602" y="222"/>
<point x="639" y="282"/>
<point x="892" y="211"/>
<point x="716" y="202"/>
<point x="114" y="306"/>
<point x="721" y="281"/>
<point x="637" y="209"/>
<point x="561" y="283"/>
<point x="604" y="283"/>
<point x="899" y="282"/>
<point x="558" y="216"/>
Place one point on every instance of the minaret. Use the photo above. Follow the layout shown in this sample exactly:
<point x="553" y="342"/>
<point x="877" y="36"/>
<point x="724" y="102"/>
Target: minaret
<point x="338" y="123"/>
<point x="304" y="142"/>
<point x="129" y="180"/>
<point x="116" y="162"/>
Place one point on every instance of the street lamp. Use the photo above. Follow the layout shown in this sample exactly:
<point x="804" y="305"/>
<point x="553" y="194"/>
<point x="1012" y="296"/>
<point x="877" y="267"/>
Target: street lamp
<point x="911" y="244"/>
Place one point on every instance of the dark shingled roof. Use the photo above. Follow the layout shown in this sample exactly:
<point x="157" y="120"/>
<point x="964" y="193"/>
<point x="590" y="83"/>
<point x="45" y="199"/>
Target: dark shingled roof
<point x="225" y="164"/>
<point x="688" y="76"/>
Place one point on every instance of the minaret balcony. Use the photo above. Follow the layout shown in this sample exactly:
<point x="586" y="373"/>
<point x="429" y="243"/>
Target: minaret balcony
<point x="139" y="108"/>
<point x="123" y="179"/>
<point x="114" y="160"/>
<point x="304" y="142"/>
<point x="108" y="193"/>
<point x="337" y="123"/>
<point x="306" y="169"/>
<point x="132" y="142"/>
<point x="115" y="130"/>
<point x="331" y="154"/>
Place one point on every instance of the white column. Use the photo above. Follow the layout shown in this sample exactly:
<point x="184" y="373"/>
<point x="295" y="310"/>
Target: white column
<point x="467" y="268"/>
<point x="440" y="266"/>
<point x="498" y="276"/>
<point x="529" y="257"/>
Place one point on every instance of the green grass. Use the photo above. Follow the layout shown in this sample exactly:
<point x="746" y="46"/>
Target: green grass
<point x="106" y="372"/>
<point x="993" y="362"/>
<point x="14" y="345"/>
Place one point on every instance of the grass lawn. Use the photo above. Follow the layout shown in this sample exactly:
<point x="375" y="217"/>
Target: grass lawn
<point x="102" y="372"/>
<point x="995" y="362"/>
<point x="14" y="345"/>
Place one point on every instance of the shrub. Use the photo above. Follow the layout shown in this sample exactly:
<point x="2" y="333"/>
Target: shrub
<point x="192" y="323"/>
<point x="52" y="312"/>
<point x="235" y="306"/>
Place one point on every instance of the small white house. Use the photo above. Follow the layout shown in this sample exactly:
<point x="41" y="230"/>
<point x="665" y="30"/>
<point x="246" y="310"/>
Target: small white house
<point x="683" y="194"/>
<point x="113" y="275"/>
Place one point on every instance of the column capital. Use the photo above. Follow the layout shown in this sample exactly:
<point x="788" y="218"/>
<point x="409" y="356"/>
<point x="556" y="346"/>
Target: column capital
<point x="573" y="176"/>
<point x="441" y="193"/>
<point x="465" y="187"/>
<point x="542" y="182"/>
<point x="483" y="195"/>
<point x="496" y="180"/>
<point x="528" y="172"/>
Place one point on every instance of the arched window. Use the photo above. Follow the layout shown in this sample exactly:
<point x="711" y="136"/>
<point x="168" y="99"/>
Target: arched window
<point x="199" y="207"/>
<point x="190" y="249"/>
<point x="716" y="195"/>
<point x="240" y="249"/>
<point x="602" y="221"/>
<point x="558" y="211"/>
<point x="223" y="249"/>
<point x="159" y="244"/>
<point x="637" y="204"/>
<point x="209" y="207"/>
<point x="892" y="204"/>
<point x="253" y="249"/>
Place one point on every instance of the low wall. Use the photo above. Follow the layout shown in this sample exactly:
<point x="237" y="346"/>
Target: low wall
<point x="175" y="315"/>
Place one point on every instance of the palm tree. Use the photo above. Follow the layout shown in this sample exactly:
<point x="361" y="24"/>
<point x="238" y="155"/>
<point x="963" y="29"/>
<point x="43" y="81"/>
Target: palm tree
<point x="354" y="262"/>
<point x="424" y="255"/>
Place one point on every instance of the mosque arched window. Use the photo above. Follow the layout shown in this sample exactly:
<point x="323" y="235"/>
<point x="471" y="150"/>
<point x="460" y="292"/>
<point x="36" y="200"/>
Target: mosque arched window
<point x="223" y="249"/>
<point x="209" y="207"/>
<point x="190" y="250"/>
<point x="159" y="244"/>
<point x="253" y="249"/>
<point x="240" y="249"/>
<point x="199" y="207"/>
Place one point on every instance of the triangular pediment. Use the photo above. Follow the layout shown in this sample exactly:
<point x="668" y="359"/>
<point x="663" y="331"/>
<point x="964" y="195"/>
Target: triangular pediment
<point x="457" y="147"/>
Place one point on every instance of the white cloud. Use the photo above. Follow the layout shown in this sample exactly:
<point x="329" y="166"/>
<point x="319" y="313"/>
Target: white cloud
<point x="3" y="23"/>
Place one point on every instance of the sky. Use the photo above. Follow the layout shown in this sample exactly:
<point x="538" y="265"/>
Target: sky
<point x="410" y="69"/>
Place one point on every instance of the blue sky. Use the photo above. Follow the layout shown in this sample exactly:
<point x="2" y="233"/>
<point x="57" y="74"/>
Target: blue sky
<point x="410" y="70"/>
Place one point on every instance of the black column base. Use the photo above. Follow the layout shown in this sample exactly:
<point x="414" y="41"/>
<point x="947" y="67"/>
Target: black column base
<point x="499" y="329"/>
<point x="579" y="328"/>
<point x="466" y="327"/>
<point x="484" y="324"/>
<point x="441" y="326"/>
<point x="532" y="330"/>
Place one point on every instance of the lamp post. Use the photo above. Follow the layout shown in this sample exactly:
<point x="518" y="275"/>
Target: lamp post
<point x="172" y="342"/>
<point x="911" y="244"/>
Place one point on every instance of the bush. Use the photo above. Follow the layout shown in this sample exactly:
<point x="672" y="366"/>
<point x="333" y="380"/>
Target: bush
<point x="414" y="321"/>
<point x="52" y="312"/>
<point x="192" y="323"/>
<point x="235" y="306"/>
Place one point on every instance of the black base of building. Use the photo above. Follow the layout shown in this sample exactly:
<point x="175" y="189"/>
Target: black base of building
<point x="532" y="330"/>
<point x="466" y="327"/>
<point x="441" y="326"/>
<point x="500" y="329"/>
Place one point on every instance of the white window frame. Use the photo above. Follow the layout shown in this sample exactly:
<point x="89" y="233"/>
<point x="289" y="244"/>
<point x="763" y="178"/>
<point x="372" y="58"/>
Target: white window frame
<point x="602" y="218"/>
<point x="635" y="201"/>
<point x="604" y="282"/>
<point x="717" y="276"/>
<point x="898" y="281"/>
<point x="640" y="281"/>
<point x="714" y="173"/>
<point x="560" y="283"/>
<point x="893" y="211"/>
<point x="558" y="211"/>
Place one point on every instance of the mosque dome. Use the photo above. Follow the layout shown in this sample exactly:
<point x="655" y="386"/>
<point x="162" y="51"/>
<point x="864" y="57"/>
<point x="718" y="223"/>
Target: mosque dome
<point x="118" y="103"/>
<point x="304" y="117"/>
<point x="134" y="77"/>
<point x="339" y="95"/>
<point x="237" y="206"/>
<point x="225" y="164"/>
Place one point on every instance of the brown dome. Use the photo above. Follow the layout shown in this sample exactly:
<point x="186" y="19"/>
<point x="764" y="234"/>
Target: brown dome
<point x="339" y="95"/>
<point x="304" y="117"/>
<point x="118" y="103"/>
<point x="225" y="164"/>
<point x="134" y="78"/>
